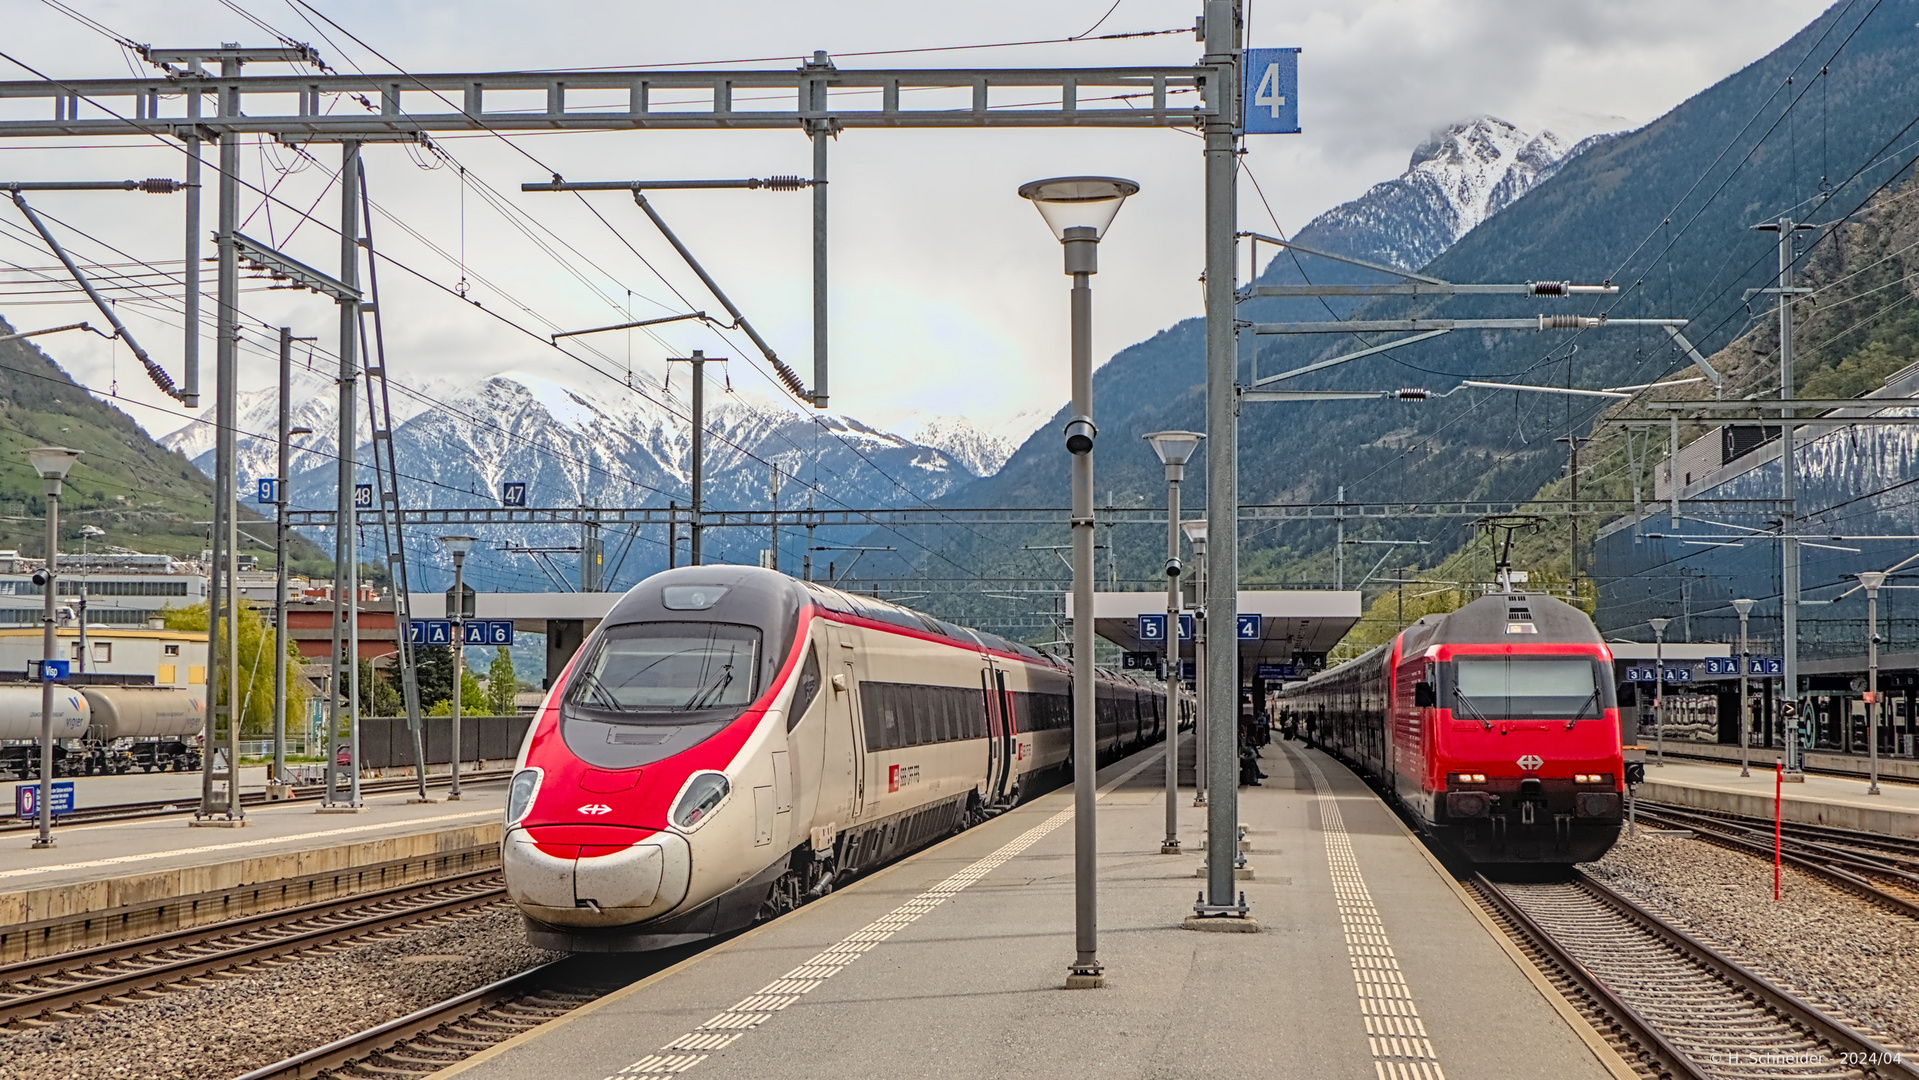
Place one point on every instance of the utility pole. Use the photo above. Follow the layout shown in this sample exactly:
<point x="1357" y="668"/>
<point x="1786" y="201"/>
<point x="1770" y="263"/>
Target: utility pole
<point x="1222" y="31"/>
<point x="276" y="782"/>
<point x="773" y="560"/>
<point x="1788" y="521"/>
<point x="699" y="360"/>
<point x="1573" y="443"/>
<point x="345" y="684"/>
<point x="1339" y="541"/>
<point x="819" y="129"/>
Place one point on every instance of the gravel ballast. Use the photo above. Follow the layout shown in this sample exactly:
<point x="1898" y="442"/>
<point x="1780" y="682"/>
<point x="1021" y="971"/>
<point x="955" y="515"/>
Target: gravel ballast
<point x="239" y="1023"/>
<point x="1824" y="944"/>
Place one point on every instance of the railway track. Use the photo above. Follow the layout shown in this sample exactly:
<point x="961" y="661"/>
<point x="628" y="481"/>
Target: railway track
<point x="423" y="1042"/>
<point x="1672" y="1005"/>
<point x="54" y="987"/>
<point x="166" y="807"/>
<point x="1881" y="869"/>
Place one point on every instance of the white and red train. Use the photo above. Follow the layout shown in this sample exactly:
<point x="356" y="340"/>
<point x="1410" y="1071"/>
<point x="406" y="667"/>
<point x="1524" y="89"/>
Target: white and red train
<point x="732" y="742"/>
<point x="1495" y="725"/>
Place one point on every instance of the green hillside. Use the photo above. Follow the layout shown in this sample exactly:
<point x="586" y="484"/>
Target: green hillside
<point x="144" y="496"/>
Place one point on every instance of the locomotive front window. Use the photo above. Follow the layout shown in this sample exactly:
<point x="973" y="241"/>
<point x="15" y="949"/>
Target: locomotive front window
<point x="1503" y="688"/>
<point x="650" y="671"/>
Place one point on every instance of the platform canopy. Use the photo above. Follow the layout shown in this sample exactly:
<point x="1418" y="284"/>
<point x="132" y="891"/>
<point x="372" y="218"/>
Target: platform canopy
<point x="1293" y="626"/>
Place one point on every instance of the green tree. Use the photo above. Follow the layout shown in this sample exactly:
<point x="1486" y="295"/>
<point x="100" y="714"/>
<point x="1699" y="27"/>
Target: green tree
<point x="434" y="670"/>
<point x="379" y="696"/>
<point x="255" y="667"/>
<point x="472" y="698"/>
<point x="501" y="683"/>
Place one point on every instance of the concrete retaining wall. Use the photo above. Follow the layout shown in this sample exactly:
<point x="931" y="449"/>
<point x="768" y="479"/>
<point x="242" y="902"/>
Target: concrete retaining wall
<point x="59" y="918"/>
<point x="1889" y="820"/>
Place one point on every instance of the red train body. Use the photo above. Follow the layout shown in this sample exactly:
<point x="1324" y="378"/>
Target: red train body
<point x="1494" y="725"/>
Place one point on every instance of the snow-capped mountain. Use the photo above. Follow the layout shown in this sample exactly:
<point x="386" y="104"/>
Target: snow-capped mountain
<point x="456" y="445"/>
<point x="980" y="451"/>
<point x="1456" y="179"/>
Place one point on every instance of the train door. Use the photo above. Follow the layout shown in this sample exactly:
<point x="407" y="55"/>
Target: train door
<point x="999" y="735"/>
<point x="845" y="739"/>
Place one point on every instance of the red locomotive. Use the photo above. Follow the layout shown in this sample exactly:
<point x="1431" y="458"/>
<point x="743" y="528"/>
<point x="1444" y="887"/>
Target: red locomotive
<point x="1495" y="725"/>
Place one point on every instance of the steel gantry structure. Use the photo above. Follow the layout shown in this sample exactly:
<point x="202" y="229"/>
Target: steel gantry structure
<point x="816" y="99"/>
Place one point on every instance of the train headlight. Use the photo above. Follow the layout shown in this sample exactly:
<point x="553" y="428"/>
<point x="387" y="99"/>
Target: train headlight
<point x="703" y="794"/>
<point x="519" y="797"/>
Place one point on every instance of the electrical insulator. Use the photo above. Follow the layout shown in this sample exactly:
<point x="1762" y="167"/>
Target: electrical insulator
<point x="1413" y="393"/>
<point x="1566" y="322"/>
<point x="783" y="183"/>
<point x="160" y="186"/>
<point x="1549" y="288"/>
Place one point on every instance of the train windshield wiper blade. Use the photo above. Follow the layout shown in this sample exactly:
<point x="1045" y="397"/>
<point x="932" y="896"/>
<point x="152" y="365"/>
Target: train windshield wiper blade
<point x="591" y="684"/>
<point x="719" y="685"/>
<point x="1460" y="697"/>
<point x="1579" y="713"/>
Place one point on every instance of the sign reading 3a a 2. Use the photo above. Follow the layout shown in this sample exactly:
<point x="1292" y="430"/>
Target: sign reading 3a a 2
<point x="1269" y="91"/>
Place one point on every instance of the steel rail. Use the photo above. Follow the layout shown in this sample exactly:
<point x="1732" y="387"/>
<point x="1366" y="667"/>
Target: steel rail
<point x="43" y="987"/>
<point x="504" y="1008"/>
<point x="1665" y="1002"/>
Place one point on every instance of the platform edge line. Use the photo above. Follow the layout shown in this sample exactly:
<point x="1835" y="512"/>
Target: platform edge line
<point x="1601" y="1051"/>
<point x="542" y="1030"/>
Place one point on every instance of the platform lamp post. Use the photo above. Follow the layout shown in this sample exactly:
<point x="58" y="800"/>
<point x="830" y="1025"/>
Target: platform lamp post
<point x="1175" y="449"/>
<point x="1196" y="535"/>
<point x="1659" y="687"/>
<point x="1078" y="209"/>
<point x="1872" y="580"/>
<point x="1744" y="608"/>
<point x="52" y="463"/>
<point x="457" y="546"/>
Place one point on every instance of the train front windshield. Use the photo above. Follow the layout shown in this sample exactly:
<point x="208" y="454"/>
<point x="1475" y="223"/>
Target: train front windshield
<point x="650" y="673"/>
<point x="1514" y="688"/>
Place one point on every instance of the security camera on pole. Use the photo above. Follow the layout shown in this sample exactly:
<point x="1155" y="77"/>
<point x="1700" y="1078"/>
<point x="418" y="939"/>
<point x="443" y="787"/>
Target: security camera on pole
<point x="1175" y="449"/>
<point x="1078" y="209"/>
<point x="52" y="463"/>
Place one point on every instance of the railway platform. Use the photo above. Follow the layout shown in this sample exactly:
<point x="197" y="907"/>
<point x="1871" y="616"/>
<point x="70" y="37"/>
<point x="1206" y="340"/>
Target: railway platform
<point x="1370" y="962"/>
<point x="1839" y="801"/>
<point x="111" y="880"/>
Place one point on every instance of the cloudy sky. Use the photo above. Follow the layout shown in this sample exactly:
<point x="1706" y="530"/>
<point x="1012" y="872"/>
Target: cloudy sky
<point x="947" y="295"/>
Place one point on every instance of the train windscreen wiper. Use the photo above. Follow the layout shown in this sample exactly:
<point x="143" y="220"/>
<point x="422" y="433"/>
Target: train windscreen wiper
<point x="713" y="690"/>
<point x="1578" y="714"/>
<point x="1460" y="698"/>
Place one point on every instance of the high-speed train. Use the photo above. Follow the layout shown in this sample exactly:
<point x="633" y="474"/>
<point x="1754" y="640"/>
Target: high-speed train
<point x="731" y="742"/>
<point x="1495" y="725"/>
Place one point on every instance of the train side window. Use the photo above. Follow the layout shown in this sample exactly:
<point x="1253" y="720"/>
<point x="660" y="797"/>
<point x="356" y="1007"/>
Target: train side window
<point x="1424" y="696"/>
<point x="808" y="689"/>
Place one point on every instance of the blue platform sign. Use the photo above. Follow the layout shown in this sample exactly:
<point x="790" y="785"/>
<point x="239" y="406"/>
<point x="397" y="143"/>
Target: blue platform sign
<point x="513" y="493"/>
<point x="266" y="491"/>
<point x="1765" y="665"/>
<point x="1249" y="627"/>
<point x="1185" y="627"/>
<point x="1152" y="629"/>
<point x="1722" y="665"/>
<point x="436" y="631"/>
<point x="475" y="632"/>
<point x="1269" y="91"/>
<point x="54" y="670"/>
<point x="499" y="632"/>
<point x="363" y="496"/>
<point x="26" y="799"/>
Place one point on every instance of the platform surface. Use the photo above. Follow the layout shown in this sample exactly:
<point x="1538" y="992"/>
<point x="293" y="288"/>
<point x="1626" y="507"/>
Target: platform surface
<point x="108" y="849"/>
<point x="951" y="964"/>
<point x="1819" y="799"/>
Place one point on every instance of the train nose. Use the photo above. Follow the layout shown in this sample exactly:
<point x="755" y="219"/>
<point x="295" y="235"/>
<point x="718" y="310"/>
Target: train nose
<point x="587" y="885"/>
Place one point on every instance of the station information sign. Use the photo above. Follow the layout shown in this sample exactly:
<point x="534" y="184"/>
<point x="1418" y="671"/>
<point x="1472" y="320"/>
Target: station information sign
<point x="473" y="632"/>
<point x="26" y="799"/>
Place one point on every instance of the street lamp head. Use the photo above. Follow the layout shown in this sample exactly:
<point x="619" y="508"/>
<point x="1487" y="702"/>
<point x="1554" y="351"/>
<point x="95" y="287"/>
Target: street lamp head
<point x="1076" y="202"/>
<point x="1743" y="607"/>
<point x="52" y="463"/>
<point x="457" y="546"/>
<point x="1872" y="580"/>
<point x="1175" y="449"/>
<point x="1195" y="534"/>
<point x="1658" y="625"/>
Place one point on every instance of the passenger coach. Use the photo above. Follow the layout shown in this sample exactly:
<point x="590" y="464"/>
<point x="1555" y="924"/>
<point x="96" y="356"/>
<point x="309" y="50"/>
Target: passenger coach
<point x="731" y="743"/>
